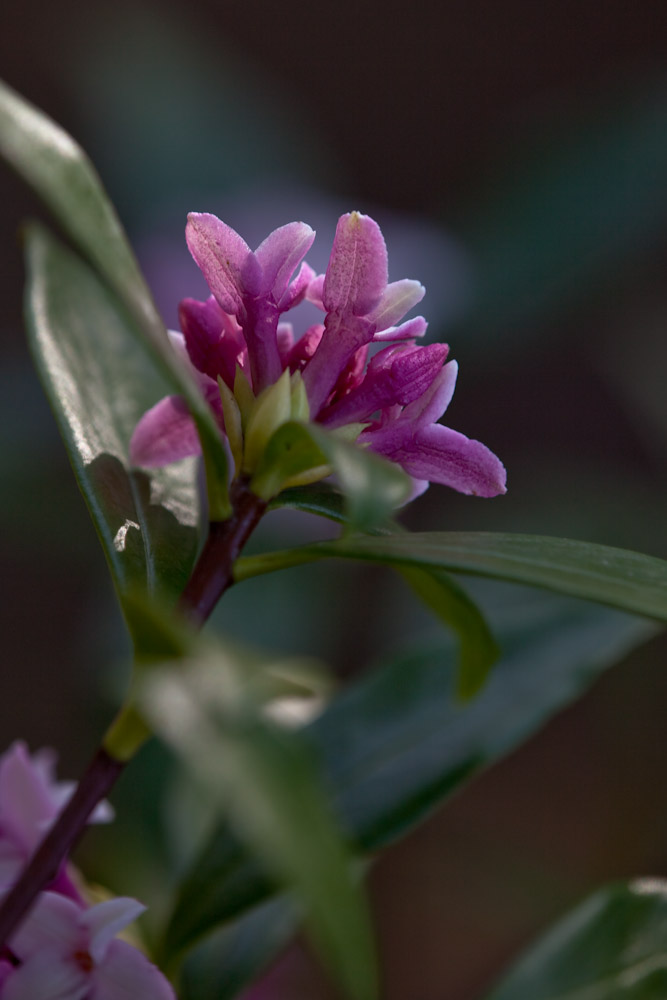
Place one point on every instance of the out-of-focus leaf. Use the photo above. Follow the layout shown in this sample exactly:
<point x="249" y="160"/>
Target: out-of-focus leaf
<point x="372" y="486"/>
<point x="478" y="650"/>
<point x="49" y="160"/>
<point x="233" y="957"/>
<point x="266" y="781"/>
<point x="622" y="579"/>
<point x="398" y="742"/>
<point x="99" y="381"/>
<point x="612" y="947"/>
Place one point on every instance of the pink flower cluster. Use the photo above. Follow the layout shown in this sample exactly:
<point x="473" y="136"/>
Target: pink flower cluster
<point x="64" y="949"/>
<point x="392" y="399"/>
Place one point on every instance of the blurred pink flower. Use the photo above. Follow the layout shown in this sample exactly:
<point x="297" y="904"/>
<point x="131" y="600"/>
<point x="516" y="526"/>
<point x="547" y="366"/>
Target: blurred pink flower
<point x="30" y="800"/>
<point x="69" y="953"/>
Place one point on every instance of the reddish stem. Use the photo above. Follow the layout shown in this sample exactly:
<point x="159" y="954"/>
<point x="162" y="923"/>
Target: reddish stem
<point x="210" y="578"/>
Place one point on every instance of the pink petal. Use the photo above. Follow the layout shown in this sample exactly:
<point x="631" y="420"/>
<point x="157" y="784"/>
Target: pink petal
<point x="442" y="455"/>
<point x="406" y="331"/>
<point x="315" y="291"/>
<point x="357" y="273"/>
<point x="11" y="860"/>
<point x="223" y="257"/>
<point x="47" y="976"/>
<point x="432" y="404"/>
<point x="397" y="299"/>
<point x="279" y="255"/>
<point x="52" y="924"/>
<point x="104" y="921"/>
<point x="395" y="375"/>
<point x="285" y="341"/>
<point x="6" y="969"/>
<point x="213" y="339"/>
<point x="341" y="339"/>
<point x="27" y="803"/>
<point x="165" y="433"/>
<point x="304" y="348"/>
<point x="126" y="974"/>
<point x="296" y="292"/>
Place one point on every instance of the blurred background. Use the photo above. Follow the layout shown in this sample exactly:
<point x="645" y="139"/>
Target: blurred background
<point x="515" y="155"/>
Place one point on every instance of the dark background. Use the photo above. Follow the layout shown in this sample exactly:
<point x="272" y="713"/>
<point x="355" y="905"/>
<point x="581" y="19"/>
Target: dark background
<point x="515" y="155"/>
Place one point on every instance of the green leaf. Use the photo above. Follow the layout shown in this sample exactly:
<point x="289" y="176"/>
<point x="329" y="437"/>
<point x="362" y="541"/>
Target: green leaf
<point x="99" y="381"/>
<point x="233" y="957"/>
<point x="612" y="947"/>
<point x="372" y="486"/>
<point x="398" y="742"/>
<point x="321" y="498"/>
<point x="266" y="781"/>
<point x="478" y="650"/>
<point x="49" y="160"/>
<point x="622" y="579"/>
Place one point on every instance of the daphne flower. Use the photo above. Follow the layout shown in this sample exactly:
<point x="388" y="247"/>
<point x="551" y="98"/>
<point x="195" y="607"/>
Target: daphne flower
<point x="69" y="953"/>
<point x="30" y="800"/>
<point x="255" y="375"/>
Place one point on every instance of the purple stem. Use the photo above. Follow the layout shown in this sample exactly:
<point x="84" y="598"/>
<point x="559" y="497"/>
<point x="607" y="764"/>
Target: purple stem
<point x="210" y="578"/>
<point x="43" y="867"/>
<point x="212" y="574"/>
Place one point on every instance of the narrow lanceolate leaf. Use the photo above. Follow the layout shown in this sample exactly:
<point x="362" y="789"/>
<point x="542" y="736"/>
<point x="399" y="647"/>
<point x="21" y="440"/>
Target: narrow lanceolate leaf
<point x="612" y="947"/>
<point x="398" y="742"/>
<point x="478" y="650"/>
<point x="622" y="579"/>
<point x="52" y="163"/>
<point x="372" y="486"/>
<point x="266" y="781"/>
<point x="99" y="381"/>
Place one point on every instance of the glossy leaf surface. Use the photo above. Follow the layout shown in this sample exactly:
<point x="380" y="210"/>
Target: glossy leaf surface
<point x="99" y="381"/>
<point x="52" y="163"/>
<point x="622" y="579"/>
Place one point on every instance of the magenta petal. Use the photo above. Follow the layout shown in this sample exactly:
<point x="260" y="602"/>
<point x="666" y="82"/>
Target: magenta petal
<point x="341" y="339"/>
<point x="222" y="257"/>
<point x="442" y="455"/>
<point x="397" y="299"/>
<point x="396" y="375"/>
<point x="357" y="273"/>
<point x="213" y="339"/>
<point x="432" y="404"/>
<point x="296" y="291"/>
<point x="304" y="348"/>
<point x="279" y="255"/>
<point x="165" y="433"/>
<point x="125" y="972"/>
